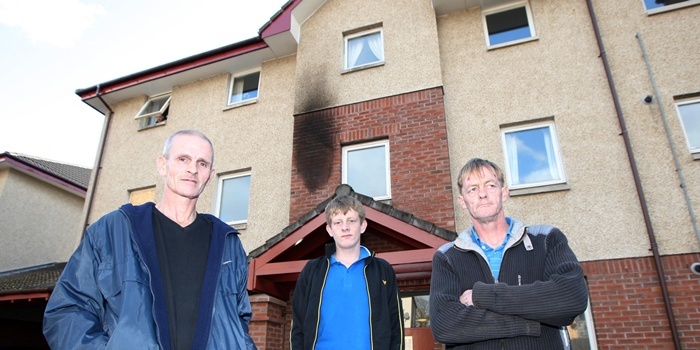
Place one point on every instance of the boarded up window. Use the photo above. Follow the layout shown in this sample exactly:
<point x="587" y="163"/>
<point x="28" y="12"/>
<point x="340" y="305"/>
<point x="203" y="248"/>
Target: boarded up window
<point x="142" y="195"/>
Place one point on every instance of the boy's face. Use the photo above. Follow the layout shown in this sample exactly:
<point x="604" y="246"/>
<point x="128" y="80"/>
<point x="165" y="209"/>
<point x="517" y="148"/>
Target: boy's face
<point x="346" y="229"/>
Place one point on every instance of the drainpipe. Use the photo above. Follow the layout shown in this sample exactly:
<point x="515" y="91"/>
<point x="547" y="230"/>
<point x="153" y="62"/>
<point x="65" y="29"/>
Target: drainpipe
<point x="688" y="203"/>
<point x="98" y="161"/>
<point x="637" y="181"/>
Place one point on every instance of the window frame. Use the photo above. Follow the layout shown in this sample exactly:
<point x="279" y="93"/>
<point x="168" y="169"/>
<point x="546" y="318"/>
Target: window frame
<point x="499" y="9"/>
<point x="238" y="224"/>
<point x="555" y="184"/>
<point x="354" y="35"/>
<point x="408" y="302"/>
<point x="667" y="8"/>
<point x="695" y="151"/>
<point x="232" y="82"/>
<point x="387" y="161"/>
<point x="145" y="118"/>
<point x="590" y="326"/>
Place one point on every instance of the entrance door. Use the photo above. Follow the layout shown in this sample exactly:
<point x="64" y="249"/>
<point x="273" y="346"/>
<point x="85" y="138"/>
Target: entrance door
<point x="417" y="323"/>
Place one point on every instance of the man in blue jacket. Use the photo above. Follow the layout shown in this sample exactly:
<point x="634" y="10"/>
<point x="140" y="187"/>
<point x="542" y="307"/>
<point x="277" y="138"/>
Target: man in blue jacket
<point x="501" y="284"/>
<point x="157" y="276"/>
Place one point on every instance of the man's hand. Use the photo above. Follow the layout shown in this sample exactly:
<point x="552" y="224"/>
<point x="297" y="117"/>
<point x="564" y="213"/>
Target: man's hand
<point x="466" y="298"/>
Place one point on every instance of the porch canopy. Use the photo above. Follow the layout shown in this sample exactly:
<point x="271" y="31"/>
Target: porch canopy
<point x="405" y="241"/>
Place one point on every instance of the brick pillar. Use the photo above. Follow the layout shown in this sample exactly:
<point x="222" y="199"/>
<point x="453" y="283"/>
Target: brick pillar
<point x="267" y="327"/>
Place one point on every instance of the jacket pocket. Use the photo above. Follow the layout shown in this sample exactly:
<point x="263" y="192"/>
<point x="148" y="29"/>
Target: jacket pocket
<point x="112" y="278"/>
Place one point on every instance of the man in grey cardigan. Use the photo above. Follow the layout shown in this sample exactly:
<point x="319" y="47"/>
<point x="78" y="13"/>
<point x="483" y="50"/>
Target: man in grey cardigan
<point x="501" y="284"/>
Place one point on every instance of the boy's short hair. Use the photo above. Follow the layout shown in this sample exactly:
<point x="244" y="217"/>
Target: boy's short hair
<point x="342" y="204"/>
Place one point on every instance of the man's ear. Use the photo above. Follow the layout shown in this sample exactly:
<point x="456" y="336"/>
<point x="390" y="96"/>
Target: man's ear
<point x="460" y="199"/>
<point x="506" y="194"/>
<point x="160" y="164"/>
<point x="363" y="226"/>
<point x="328" y="229"/>
<point x="211" y="174"/>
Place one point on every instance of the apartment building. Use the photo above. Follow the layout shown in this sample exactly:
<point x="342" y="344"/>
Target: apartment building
<point x="592" y="107"/>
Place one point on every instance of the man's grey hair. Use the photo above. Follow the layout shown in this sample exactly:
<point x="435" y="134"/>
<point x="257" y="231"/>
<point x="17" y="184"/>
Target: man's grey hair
<point x="169" y="141"/>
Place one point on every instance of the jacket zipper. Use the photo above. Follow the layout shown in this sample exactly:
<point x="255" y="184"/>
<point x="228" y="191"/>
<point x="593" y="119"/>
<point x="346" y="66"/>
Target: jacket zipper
<point x="318" y="311"/>
<point x="150" y="281"/>
<point x="216" y="289"/>
<point x="369" y="302"/>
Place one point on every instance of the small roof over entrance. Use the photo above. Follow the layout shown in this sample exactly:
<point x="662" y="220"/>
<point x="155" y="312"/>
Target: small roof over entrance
<point x="405" y="241"/>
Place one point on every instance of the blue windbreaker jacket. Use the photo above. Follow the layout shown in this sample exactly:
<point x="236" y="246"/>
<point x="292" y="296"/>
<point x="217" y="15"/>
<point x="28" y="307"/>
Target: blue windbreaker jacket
<point x="110" y="294"/>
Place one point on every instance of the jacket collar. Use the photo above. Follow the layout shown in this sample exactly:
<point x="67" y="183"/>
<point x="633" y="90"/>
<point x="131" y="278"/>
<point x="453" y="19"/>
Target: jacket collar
<point x="518" y="234"/>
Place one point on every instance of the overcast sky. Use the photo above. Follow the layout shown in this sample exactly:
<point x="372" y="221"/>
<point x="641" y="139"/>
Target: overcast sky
<point x="50" y="48"/>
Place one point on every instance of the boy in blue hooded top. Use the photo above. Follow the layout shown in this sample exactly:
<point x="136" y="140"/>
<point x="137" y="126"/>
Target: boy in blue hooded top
<point x="347" y="299"/>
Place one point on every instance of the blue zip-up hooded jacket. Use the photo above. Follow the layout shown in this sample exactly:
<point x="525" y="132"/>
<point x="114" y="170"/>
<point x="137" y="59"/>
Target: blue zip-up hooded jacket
<point x="386" y="311"/>
<point x="110" y="295"/>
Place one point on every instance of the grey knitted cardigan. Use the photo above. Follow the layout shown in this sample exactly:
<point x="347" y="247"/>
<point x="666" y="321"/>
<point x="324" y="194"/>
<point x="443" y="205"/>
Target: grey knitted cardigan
<point x="541" y="289"/>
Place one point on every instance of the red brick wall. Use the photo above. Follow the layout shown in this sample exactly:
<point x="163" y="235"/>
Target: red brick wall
<point x="628" y="306"/>
<point x="626" y="301"/>
<point x="414" y="124"/>
<point x="268" y="326"/>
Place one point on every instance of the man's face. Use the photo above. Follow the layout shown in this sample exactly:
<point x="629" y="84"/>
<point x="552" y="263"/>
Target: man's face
<point x="483" y="196"/>
<point x="346" y="229"/>
<point x="188" y="168"/>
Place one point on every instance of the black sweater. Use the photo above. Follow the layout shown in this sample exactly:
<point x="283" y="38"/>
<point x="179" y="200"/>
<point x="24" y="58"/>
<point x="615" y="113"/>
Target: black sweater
<point x="541" y="289"/>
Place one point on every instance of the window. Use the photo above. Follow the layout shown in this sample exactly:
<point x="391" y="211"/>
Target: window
<point x="689" y="112"/>
<point x="508" y="25"/>
<point x="366" y="169"/>
<point x="154" y="111"/>
<point x="233" y="198"/>
<point x="416" y="311"/>
<point x="364" y="49"/>
<point x="143" y="195"/>
<point x="532" y="155"/>
<point x="244" y="88"/>
<point x="582" y="332"/>
<point x="663" y="5"/>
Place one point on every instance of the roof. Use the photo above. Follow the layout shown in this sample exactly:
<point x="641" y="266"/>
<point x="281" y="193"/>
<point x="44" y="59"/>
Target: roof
<point x="73" y="173"/>
<point x="70" y="177"/>
<point x="345" y="189"/>
<point x="277" y="38"/>
<point x="37" y="280"/>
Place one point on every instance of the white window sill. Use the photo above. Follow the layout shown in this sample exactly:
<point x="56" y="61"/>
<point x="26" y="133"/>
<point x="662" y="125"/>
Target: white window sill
<point x="153" y="125"/>
<point x="539" y="189"/>
<point x="514" y="42"/>
<point x="366" y="66"/>
<point x="677" y="6"/>
<point x="241" y="104"/>
<point x="241" y="226"/>
<point x="696" y="155"/>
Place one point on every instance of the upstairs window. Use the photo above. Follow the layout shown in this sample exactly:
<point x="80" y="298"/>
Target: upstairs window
<point x="154" y="111"/>
<point x="364" y="49"/>
<point x="233" y="198"/>
<point x="663" y="5"/>
<point x="508" y="25"/>
<point x="366" y="169"/>
<point x="532" y="155"/>
<point x="244" y="88"/>
<point x="689" y="112"/>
